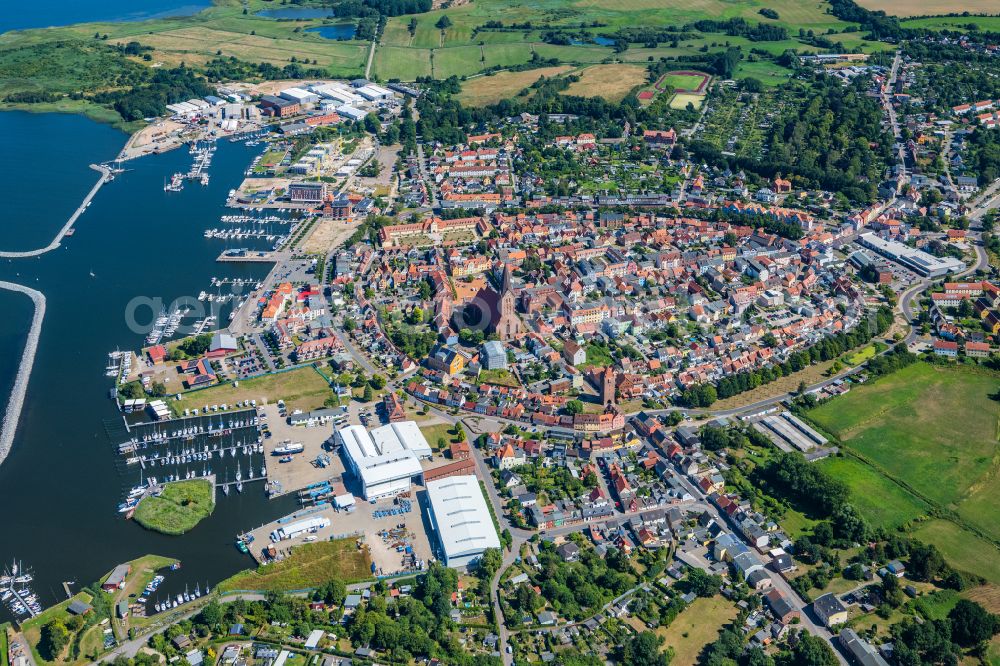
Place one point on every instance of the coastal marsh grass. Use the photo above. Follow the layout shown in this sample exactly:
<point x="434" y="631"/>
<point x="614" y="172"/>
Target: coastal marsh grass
<point x="310" y="565"/>
<point x="181" y="506"/>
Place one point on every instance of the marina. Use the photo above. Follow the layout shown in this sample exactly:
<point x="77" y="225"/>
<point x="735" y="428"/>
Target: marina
<point x="88" y="285"/>
<point x="16" y="593"/>
<point x="198" y="171"/>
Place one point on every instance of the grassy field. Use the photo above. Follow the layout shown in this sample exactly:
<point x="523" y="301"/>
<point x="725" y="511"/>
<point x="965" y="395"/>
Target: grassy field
<point x="681" y="100"/>
<point x="963" y="550"/>
<point x="929" y="7"/>
<point x="697" y="626"/>
<point x="302" y="388"/>
<point x="883" y="502"/>
<point x="686" y="82"/>
<point x="485" y="90"/>
<point x="934" y="428"/>
<point x="309" y="565"/>
<point x="182" y="505"/>
<point x="612" y="82"/>
<point x="861" y="355"/>
<point x="32" y="630"/>
<point x="3" y="643"/>
<point x="499" y="377"/>
<point x="955" y="22"/>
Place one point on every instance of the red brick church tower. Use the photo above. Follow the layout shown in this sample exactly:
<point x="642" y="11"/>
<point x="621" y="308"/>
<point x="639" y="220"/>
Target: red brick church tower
<point x="608" y="387"/>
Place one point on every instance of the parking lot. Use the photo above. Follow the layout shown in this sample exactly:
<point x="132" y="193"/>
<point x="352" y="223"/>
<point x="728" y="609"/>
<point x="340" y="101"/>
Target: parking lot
<point x="303" y="469"/>
<point x="396" y="543"/>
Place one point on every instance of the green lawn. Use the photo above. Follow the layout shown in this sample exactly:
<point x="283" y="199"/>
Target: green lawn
<point x="883" y="502"/>
<point x="934" y="428"/>
<point x="310" y="565"/>
<point x="679" y="82"/>
<point x="438" y="431"/>
<point x="181" y="506"/>
<point x="3" y="643"/>
<point x="597" y="356"/>
<point x="499" y="377"/>
<point x="302" y="388"/>
<point x="698" y="625"/>
<point x="962" y="549"/>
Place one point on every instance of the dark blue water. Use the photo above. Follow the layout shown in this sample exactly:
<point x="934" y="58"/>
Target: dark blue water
<point x="341" y="31"/>
<point x="20" y="16"/>
<point x="60" y="486"/>
<point x="599" y="40"/>
<point x="296" y="13"/>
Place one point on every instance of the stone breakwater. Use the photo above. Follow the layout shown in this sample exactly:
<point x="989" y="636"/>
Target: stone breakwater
<point x="13" y="414"/>
<point x="105" y="175"/>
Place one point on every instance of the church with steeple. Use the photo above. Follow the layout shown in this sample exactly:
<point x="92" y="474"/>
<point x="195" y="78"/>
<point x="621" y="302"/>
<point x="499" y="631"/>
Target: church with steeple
<point x="495" y="309"/>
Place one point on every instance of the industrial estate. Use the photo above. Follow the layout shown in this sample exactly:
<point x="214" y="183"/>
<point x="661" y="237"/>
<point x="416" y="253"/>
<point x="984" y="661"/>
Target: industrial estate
<point x="672" y="342"/>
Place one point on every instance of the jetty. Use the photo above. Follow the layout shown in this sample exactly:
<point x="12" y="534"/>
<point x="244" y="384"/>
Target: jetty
<point x="106" y="174"/>
<point x="251" y="256"/>
<point x="13" y="414"/>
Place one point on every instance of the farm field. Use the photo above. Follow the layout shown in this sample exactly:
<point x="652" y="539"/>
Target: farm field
<point x="302" y="388"/>
<point x="612" y="82"/>
<point x="698" y="625"/>
<point x="929" y="7"/>
<point x="933" y="428"/>
<point x="309" y="565"/>
<point x="991" y="23"/>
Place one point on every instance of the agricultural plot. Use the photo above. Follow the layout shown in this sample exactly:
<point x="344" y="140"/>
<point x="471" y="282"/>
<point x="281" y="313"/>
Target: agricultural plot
<point x="457" y="61"/>
<point x="485" y="90"/>
<point x="929" y="7"/>
<point x="930" y="436"/>
<point x="934" y="428"/>
<point x="882" y="502"/>
<point x="402" y="63"/>
<point x="991" y="23"/>
<point x="612" y="82"/>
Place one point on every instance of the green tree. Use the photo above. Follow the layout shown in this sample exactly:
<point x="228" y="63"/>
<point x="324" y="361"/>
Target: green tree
<point x="443" y="23"/>
<point x="574" y="407"/>
<point x="490" y="562"/>
<point x="643" y="649"/>
<point x="55" y="637"/>
<point x="972" y="624"/>
<point x="809" y="651"/>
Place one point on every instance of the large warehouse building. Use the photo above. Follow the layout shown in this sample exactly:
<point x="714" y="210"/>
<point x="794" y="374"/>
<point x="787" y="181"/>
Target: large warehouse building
<point x="918" y="261"/>
<point x="458" y="513"/>
<point x="384" y="460"/>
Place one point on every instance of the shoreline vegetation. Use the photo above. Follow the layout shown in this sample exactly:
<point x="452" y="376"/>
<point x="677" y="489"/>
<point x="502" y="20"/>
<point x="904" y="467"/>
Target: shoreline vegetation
<point x="181" y="506"/>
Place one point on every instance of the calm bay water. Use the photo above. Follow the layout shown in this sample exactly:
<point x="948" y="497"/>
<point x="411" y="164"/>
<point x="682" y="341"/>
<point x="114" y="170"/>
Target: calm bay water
<point x="60" y="486"/>
<point x="21" y="16"/>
